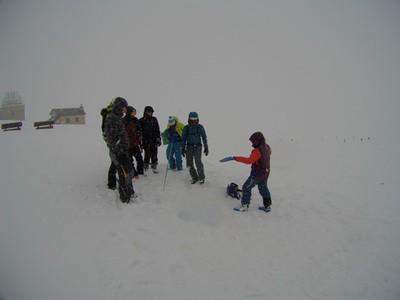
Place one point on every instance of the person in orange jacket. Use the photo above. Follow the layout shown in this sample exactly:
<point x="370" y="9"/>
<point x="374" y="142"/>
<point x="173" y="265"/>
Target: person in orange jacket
<point x="260" y="169"/>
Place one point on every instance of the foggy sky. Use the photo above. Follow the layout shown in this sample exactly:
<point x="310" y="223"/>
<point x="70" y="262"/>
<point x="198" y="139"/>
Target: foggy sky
<point x="287" y="68"/>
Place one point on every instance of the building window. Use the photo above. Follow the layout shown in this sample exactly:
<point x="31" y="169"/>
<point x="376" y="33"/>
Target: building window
<point x="67" y="120"/>
<point x="76" y="119"/>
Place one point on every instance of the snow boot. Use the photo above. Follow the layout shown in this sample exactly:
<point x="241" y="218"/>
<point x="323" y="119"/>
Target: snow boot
<point x="242" y="207"/>
<point x="267" y="201"/>
<point x="266" y="209"/>
<point x="154" y="168"/>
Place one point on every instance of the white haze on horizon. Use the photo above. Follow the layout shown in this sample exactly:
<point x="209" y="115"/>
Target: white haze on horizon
<point x="287" y="68"/>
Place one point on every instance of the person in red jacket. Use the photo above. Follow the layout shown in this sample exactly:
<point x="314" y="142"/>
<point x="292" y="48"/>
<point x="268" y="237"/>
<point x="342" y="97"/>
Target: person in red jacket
<point x="134" y="130"/>
<point x="260" y="169"/>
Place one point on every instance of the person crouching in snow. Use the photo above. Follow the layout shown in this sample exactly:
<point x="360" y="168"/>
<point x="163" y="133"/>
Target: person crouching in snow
<point x="172" y="136"/>
<point x="260" y="169"/>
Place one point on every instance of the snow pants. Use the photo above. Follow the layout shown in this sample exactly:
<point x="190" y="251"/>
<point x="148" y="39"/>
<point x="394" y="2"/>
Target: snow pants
<point x="249" y="184"/>
<point x="174" y="156"/>
<point x="137" y="154"/>
<point x="112" y="178"/>
<point x="124" y="167"/>
<point x="150" y="156"/>
<point x="193" y="156"/>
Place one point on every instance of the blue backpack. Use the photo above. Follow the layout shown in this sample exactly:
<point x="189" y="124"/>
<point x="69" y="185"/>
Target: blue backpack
<point x="233" y="190"/>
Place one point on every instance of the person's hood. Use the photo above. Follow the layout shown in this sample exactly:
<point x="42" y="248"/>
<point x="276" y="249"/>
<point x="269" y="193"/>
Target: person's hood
<point x="257" y="139"/>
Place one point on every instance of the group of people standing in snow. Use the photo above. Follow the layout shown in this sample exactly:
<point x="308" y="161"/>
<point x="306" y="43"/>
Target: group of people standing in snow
<point x="187" y="141"/>
<point x="127" y="137"/>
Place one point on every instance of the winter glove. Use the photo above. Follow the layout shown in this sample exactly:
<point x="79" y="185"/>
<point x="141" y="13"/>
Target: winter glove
<point x="183" y="150"/>
<point x="158" y="142"/>
<point x="229" y="158"/>
<point x="206" y="150"/>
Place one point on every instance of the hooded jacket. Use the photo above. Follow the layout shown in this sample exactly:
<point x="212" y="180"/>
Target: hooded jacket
<point x="116" y="134"/>
<point x="259" y="157"/>
<point x="150" y="129"/>
<point x="173" y="133"/>
<point x="194" y="133"/>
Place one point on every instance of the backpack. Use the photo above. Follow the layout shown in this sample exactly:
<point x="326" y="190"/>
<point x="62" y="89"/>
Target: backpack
<point x="104" y="112"/>
<point x="233" y="190"/>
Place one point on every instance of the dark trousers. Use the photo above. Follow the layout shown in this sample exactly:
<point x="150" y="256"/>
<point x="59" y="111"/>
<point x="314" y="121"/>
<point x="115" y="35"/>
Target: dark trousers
<point x="249" y="184"/>
<point x="123" y="164"/>
<point x="137" y="154"/>
<point x="193" y="156"/>
<point x="112" y="179"/>
<point x="150" y="156"/>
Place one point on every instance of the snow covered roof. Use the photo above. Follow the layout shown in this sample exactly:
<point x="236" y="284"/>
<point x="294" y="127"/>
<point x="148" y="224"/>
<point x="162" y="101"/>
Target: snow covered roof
<point x="12" y="98"/>
<point x="58" y="112"/>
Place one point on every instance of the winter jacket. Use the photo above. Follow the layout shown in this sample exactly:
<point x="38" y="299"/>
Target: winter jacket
<point x="134" y="131"/>
<point x="150" y="131"/>
<point x="117" y="137"/>
<point x="193" y="135"/>
<point x="173" y="133"/>
<point x="259" y="157"/>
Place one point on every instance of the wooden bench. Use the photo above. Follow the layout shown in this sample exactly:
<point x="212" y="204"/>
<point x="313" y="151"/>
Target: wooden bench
<point x="11" y="126"/>
<point x="43" y="124"/>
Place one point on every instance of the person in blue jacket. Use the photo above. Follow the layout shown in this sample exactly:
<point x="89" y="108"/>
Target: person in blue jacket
<point x="194" y="137"/>
<point x="172" y="136"/>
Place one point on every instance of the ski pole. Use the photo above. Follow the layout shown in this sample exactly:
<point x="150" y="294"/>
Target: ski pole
<point x="169" y="158"/>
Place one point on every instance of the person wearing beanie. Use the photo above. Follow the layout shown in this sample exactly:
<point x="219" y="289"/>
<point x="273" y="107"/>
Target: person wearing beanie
<point x="134" y="130"/>
<point x="194" y="137"/>
<point x="172" y="136"/>
<point x="118" y="142"/>
<point x="151" y="138"/>
<point x="260" y="169"/>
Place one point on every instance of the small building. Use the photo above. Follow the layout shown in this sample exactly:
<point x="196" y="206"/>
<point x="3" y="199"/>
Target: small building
<point x="68" y="115"/>
<point x="12" y="107"/>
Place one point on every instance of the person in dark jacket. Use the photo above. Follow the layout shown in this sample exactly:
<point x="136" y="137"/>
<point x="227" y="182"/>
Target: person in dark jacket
<point x="151" y="138"/>
<point x="193" y="135"/>
<point x="134" y="131"/>
<point x="112" y="170"/>
<point x="118" y="143"/>
<point x="260" y="169"/>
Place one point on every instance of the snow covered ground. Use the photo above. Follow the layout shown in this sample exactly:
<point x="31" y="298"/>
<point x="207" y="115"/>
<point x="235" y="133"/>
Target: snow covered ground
<point x="333" y="232"/>
<point x="319" y="78"/>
